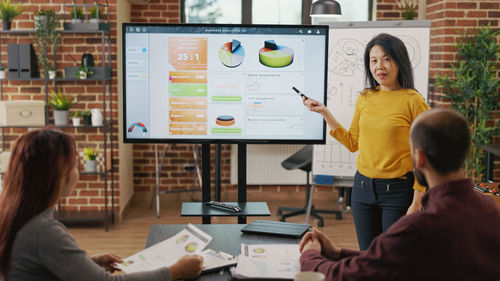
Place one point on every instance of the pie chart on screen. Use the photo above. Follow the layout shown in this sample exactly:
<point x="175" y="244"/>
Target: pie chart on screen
<point x="232" y="54"/>
<point x="274" y="55"/>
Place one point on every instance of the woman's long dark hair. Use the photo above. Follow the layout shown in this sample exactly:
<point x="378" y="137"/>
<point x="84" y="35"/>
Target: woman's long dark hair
<point x="39" y="161"/>
<point x="396" y="49"/>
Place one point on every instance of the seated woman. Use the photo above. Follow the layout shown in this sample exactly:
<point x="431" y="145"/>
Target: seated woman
<point x="33" y="245"/>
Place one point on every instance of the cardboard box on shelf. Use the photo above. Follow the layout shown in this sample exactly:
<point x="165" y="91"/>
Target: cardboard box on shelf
<point x="22" y="113"/>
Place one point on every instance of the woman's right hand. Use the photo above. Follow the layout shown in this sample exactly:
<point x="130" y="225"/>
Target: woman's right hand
<point x="187" y="267"/>
<point x="314" y="105"/>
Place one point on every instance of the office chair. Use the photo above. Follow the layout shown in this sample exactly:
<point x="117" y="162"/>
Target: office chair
<point x="302" y="159"/>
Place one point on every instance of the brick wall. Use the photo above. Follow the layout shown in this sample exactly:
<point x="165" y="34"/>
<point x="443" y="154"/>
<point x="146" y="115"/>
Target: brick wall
<point x="89" y="193"/>
<point x="162" y="11"/>
<point x="389" y="10"/>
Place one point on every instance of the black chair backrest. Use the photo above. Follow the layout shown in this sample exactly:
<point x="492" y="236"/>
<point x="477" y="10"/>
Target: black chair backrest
<point x="301" y="159"/>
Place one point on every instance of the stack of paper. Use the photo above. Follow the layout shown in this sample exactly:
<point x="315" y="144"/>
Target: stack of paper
<point x="280" y="261"/>
<point x="190" y="241"/>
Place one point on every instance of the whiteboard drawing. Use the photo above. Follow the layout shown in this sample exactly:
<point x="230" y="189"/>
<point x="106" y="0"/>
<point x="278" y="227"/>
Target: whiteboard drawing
<point x="346" y="57"/>
<point x="340" y="93"/>
<point x="413" y="49"/>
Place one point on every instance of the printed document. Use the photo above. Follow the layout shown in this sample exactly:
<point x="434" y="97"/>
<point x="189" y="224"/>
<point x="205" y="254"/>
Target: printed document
<point x="190" y="241"/>
<point x="215" y="259"/>
<point x="279" y="261"/>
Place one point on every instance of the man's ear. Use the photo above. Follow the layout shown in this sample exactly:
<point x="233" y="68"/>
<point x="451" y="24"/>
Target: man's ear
<point x="420" y="158"/>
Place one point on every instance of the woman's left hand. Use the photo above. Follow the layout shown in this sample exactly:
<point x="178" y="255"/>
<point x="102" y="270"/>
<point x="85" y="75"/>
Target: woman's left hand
<point x="107" y="261"/>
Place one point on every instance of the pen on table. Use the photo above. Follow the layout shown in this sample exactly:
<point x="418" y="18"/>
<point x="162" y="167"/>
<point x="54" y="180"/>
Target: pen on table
<point x="300" y="93"/>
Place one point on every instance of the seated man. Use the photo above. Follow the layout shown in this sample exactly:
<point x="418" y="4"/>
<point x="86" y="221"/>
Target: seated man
<point x="455" y="237"/>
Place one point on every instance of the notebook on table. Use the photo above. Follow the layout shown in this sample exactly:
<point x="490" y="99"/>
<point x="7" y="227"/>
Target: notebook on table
<point x="285" y="229"/>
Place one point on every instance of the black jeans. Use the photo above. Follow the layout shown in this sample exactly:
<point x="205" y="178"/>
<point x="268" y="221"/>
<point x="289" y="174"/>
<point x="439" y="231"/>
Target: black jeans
<point x="378" y="203"/>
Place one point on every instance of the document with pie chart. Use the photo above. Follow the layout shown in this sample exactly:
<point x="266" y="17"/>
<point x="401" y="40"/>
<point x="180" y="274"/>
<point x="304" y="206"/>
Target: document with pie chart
<point x="189" y="241"/>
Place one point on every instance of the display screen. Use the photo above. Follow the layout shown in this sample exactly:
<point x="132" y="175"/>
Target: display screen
<point x="223" y="83"/>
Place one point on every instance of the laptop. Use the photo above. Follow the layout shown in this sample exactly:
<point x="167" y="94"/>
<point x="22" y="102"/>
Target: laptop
<point x="284" y="229"/>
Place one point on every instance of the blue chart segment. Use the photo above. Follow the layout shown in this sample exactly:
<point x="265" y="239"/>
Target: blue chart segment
<point x="232" y="54"/>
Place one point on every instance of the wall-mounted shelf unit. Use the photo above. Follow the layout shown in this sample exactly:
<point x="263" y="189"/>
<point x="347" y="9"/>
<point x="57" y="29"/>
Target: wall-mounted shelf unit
<point x="106" y="173"/>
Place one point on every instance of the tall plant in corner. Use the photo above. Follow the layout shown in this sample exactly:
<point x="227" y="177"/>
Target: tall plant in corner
<point x="474" y="92"/>
<point x="46" y="22"/>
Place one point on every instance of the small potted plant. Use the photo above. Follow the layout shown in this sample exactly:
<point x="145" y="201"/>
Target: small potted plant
<point x="52" y="72"/>
<point x="75" y="118"/>
<point x="46" y="36"/>
<point x="8" y="12"/>
<point x="409" y="8"/>
<point x="90" y="159"/>
<point x="87" y="118"/>
<point x="83" y="72"/>
<point x="61" y="105"/>
<point x="95" y="14"/>
<point x="2" y="72"/>
<point x="76" y="14"/>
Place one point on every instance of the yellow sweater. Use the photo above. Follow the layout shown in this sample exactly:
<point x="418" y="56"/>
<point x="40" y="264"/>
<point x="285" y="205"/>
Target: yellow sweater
<point x="380" y="129"/>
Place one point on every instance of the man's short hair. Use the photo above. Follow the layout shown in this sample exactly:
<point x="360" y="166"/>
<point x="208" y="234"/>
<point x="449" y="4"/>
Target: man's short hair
<point x="444" y="137"/>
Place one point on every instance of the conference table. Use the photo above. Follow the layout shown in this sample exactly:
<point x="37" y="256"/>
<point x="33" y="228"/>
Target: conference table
<point x="226" y="238"/>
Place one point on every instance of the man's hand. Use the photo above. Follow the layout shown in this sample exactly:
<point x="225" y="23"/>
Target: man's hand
<point x="416" y="204"/>
<point x="107" y="261"/>
<point x="312" y="244"/>
<point x="186" y="267"/>
<point x="328" y="249"/>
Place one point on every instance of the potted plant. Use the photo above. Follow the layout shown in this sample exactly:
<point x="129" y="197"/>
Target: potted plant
<point x="83" y="72"/>
<point x="61" y="105"/>
<point x="76" y="14"/>
<point x="87" y="118"/>
<point x="75" y="118"/>
<point x="95" y="14"/>
<point x="473" y="91"/>
<point x="8" y="12"/>
<point x="409" y="7"/>
<point x="52" y="72"/>
<point x="2" y="72"/>
<point x="46" y="36"/>
<point x="90" y="159"/>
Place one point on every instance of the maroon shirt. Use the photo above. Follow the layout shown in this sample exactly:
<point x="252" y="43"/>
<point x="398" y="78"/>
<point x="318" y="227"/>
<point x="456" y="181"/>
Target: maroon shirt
<point x="456" y="237"/>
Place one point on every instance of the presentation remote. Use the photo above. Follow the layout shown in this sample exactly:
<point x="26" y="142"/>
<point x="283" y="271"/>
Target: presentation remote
<point x="224" y="206"/>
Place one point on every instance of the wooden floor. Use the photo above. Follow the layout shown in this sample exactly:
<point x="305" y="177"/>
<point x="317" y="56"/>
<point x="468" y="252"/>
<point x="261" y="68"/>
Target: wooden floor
<point x="130" y="235"/>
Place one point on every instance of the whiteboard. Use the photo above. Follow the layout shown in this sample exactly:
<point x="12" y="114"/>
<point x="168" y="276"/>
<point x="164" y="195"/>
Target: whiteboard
<point x="346" y="79"/>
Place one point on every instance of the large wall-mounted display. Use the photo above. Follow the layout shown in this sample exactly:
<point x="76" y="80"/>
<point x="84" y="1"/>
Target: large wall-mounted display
<point x="223" y="83"/>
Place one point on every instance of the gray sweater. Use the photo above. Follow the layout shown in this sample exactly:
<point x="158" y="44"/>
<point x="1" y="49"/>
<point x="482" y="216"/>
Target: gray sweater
<point x="44" y="250"/>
